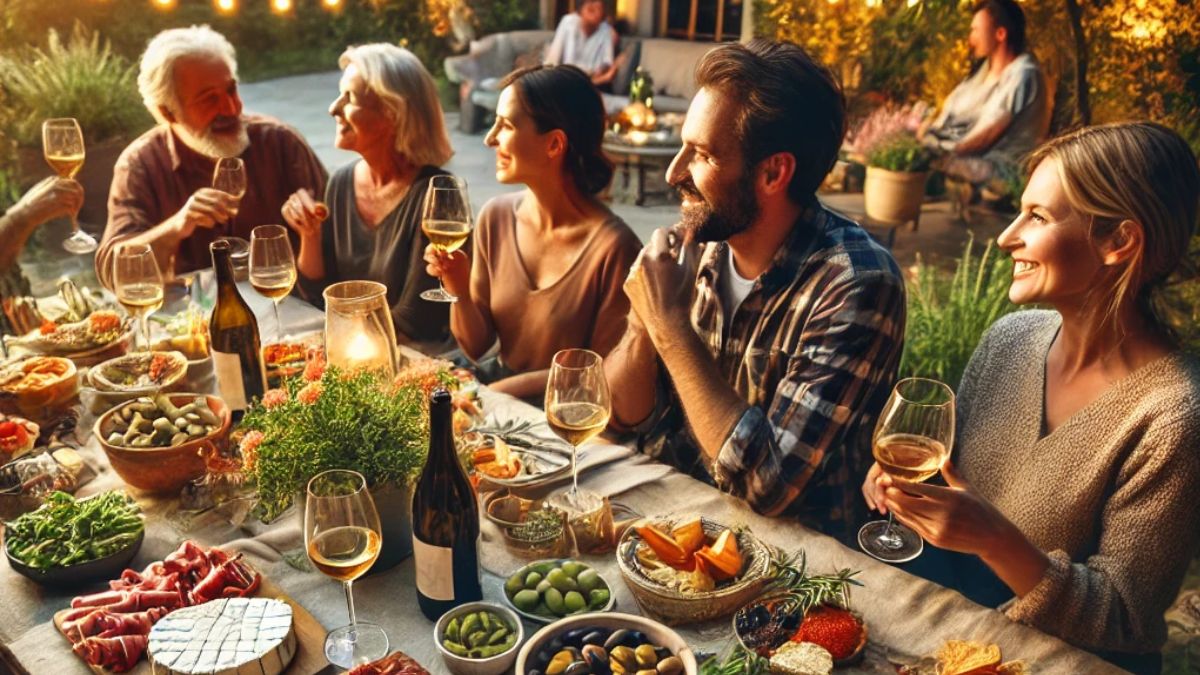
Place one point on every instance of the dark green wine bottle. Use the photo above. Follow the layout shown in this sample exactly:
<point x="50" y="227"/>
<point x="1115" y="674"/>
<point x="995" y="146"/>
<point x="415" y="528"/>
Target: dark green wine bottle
<point x="233" y="335"/>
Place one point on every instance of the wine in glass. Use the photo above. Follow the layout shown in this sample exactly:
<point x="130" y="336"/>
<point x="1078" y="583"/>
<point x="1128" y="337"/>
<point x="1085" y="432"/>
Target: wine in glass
<point x="446" y="221"/>
<point x="230" y="177"/>
<point x="62" y="145"/>
<point x="343" y="537"/>
<point x="578" y="406"/>
<point x="138" y="284"/>
<point x="272" y="265"/>
<point x="912" y="441"/>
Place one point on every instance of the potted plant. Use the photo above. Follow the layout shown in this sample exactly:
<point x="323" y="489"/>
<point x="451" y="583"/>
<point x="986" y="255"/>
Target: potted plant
<point x="327" y="419"/>
<point x="897" y="164"/>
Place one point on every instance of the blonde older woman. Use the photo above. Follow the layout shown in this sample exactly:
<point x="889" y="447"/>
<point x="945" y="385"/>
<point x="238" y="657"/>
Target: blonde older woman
<point x="387" y="110"/>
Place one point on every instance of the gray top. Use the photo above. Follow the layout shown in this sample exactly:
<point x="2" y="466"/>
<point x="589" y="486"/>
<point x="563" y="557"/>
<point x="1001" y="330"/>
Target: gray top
<point x="390" y="253"/>
<point x="1019" y="95"/>
<point x="1110" y="494"/>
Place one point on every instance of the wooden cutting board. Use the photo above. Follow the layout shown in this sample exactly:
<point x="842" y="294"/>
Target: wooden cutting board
<point x="310" y="637"/>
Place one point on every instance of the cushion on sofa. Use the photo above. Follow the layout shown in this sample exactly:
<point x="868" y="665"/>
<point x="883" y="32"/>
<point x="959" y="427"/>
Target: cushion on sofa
<point x="672" y="64"/>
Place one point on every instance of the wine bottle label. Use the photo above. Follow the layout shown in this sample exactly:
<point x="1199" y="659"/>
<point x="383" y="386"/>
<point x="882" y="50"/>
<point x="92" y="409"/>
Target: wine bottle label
<point x="435" y="570"/>
<point x="228" y="368"/>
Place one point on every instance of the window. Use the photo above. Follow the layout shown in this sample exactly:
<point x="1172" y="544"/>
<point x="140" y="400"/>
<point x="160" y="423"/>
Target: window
<point x="715" y="20"/>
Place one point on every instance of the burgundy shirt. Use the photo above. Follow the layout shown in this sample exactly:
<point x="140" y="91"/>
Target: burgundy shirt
<point x="157" y="174"/>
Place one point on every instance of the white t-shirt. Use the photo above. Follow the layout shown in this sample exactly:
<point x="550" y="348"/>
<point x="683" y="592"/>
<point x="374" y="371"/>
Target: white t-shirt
<point x="733" y="288"/>
<point x="571" y="46"/>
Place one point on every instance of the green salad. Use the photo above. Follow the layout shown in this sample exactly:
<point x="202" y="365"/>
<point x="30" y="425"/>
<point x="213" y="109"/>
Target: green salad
<point x="67" y="531"/>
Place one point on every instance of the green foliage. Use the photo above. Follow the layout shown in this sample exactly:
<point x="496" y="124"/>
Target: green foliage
<point x="80" y="78"/>
<point x="947" y="318"/>
<point x="357" y="422"/>
<point x="901" y="152"/>
<point x="495" y="16"/>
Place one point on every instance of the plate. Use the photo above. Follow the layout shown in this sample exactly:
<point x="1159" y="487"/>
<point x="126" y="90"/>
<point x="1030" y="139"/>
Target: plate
<point x="543" y="567"/>
<point x="538" y="465"/>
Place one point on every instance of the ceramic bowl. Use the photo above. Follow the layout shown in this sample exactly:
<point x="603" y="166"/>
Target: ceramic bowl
<point x="493" y="665"/>
<point x="108" y="567"/>
<point x="162" y="469"/>
<point x="655" y="632"/>
<point x="543" y="567"/>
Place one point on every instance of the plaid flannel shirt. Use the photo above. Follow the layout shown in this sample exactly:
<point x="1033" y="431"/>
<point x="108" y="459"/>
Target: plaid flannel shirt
<point x="813" y="349"/>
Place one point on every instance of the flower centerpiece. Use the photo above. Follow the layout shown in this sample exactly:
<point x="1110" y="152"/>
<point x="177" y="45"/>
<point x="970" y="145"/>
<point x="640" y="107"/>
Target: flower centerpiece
<point x="897" y="163"/>
<point x="326" y="418"/>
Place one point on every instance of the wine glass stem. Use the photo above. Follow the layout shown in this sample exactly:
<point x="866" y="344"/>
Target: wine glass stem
<point x="574" y="473"/>
<point x="278" y="321"/>
<point x="144" y="325"/>
<point x="347" y="585"/>
<point x="889" y="539"/>
<point x="74" y="224"/>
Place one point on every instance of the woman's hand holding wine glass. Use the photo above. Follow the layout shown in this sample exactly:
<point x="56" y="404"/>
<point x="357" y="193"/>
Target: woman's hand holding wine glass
<point x="138" y="284"/>
<point x="343" y="537"/>
<point x="62" y="145"/>
<point x="446" y="222"/>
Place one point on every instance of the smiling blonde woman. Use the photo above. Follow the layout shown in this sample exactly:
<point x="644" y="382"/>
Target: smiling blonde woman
<point x="1075" y="468"/>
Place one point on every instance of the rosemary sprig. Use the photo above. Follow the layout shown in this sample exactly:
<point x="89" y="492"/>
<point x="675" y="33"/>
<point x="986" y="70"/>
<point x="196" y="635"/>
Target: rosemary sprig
<point x="736" y="660"/>
<point x="788" y="575"/>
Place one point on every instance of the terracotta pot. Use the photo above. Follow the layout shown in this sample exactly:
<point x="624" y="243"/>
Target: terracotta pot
<point x="894" y="197"/>
<point x="394" y="505"/>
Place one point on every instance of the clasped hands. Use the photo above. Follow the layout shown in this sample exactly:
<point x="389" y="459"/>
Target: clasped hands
<point x="662" y="282"/>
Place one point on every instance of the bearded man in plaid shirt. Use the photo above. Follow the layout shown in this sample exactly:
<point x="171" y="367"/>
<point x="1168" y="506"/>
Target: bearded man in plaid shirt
<point x="764" y="330"/>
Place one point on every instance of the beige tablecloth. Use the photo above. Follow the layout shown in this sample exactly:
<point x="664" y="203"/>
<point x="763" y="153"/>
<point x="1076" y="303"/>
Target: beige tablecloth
<point x="904" y="614"/>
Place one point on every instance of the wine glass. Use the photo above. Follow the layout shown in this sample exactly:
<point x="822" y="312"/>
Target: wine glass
<point x="446" y="221"/>
<point x="578" y="405"/>
<point x="138" y="284"/>
<point x="272" y="265"/>
<point x="62" y="145"/>
<point x="343" y="537"/>
<point x="230" y="177"/>
<point x="912" y="441"/>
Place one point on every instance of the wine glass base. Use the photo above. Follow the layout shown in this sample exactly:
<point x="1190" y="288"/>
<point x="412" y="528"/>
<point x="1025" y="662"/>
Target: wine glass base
<point x="79" y="243"/>
<point x="438" y="295"/>
<point x="910" y="544"/>
<point x="577" y="502"/>
<point x="351" y="646"/>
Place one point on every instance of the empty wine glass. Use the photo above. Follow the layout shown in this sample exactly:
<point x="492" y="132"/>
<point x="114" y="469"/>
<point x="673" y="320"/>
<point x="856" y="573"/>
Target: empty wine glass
<point x="62" y="145"/>
<point x="138" y="284"/>
<point x="272" y="266"/>
<point x="343" y="537"/>
<point x="230" y="177"/>
<point x="446" y="221"/>
<point x="912" y="441"/>
<point x="578" y="406"/>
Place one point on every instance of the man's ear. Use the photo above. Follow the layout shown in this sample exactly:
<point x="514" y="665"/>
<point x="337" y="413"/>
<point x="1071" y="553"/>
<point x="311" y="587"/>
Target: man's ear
<point x="1002" y="35"/>
<point x="1124" y="243"/>
<point x="775" y="172"/>
<point x="167" y="114"/>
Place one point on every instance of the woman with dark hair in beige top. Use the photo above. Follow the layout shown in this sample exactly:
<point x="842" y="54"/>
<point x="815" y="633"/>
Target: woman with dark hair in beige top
<point x="549" y="262"/>
<point x="1075" y="471"/>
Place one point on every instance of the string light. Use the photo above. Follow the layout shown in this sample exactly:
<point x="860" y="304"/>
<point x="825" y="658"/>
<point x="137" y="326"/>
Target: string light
<point x="332" y="3"/>
<point x="225" y="6"/>
<point x="281" y="6"/>
<point x="164" y="4"/>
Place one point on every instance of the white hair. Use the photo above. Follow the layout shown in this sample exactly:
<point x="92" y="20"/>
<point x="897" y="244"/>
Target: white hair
<point x="156" y="77"/>
<point x="409" y="96"/>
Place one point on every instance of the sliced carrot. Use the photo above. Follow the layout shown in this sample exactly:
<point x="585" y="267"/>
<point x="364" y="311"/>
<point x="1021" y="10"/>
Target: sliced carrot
<point x="663" y="545"/>
<point x="690" y="537"/>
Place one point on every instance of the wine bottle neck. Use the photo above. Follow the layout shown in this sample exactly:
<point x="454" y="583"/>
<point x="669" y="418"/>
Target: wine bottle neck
<point x="441" y="435"/>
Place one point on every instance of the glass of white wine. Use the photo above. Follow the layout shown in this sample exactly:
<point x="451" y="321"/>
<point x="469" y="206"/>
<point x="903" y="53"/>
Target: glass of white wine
<point x="229" y="177"/>
<point x="578" y="405"/>
<point x="912" y="441"/>
<point x="343" y="538"/>
<point x="446" y="221"/>
<point x="62" y="145"/>
<point x="138" y="284"/>
<point x="272" y="266"/>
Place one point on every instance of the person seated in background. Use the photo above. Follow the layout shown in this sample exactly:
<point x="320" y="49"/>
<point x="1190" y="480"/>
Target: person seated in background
<point x="765" y="330"/>
<point x="1072" y="488"/>
<point x="162" y="191"/>
<point x="549" y="261"/>
<point x="1002" y="110"/>
<point x="387" y="110"/>
<point x="585" y="40"/>
<point x="51" y="198"/>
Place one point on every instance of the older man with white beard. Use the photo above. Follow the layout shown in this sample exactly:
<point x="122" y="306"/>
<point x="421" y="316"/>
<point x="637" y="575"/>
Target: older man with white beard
<point x="162" y="191"/>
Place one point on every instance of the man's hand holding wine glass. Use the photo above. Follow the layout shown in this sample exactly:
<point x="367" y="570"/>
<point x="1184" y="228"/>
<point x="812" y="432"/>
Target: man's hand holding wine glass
<point x="204" y="209"/>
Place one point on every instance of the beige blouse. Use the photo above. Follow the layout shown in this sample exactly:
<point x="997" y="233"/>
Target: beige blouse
<point x="586" y="307"/>
<point x="1112" y="495"/>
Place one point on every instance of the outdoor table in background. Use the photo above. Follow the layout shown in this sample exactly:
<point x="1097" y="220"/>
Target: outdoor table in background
<point x="640" y="158"/>
<point x="903" y="613"/>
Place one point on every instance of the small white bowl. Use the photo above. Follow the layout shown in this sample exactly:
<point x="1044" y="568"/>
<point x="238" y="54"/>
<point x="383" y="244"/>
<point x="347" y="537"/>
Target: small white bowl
<point x="493" y="665"/>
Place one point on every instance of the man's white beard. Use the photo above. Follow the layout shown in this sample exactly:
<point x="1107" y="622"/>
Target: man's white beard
<point x="214" y="145"/>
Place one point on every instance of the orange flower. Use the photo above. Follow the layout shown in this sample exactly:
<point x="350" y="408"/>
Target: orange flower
<point x="310" y="393"/>
<point x="315" y="368"/>
<point x="274" y="398"/>
<point x="249" y="449"/>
